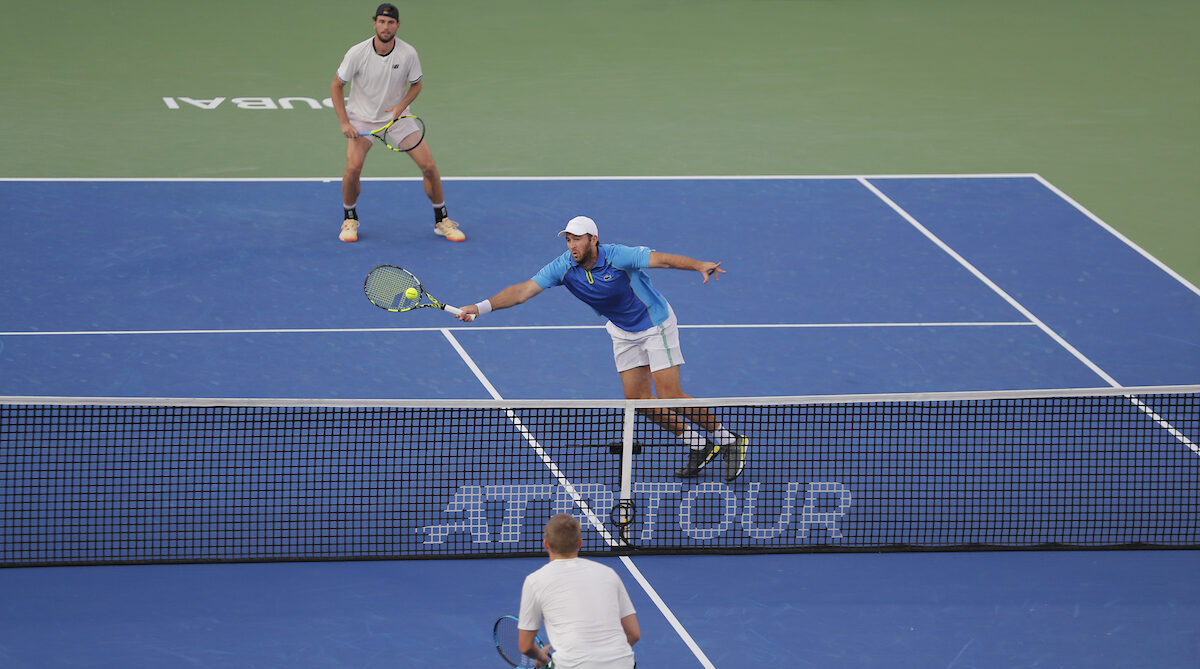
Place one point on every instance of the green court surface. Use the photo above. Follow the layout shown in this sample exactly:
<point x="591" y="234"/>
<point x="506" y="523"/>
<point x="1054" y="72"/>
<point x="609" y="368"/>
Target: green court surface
<point x="1099" y="97"/>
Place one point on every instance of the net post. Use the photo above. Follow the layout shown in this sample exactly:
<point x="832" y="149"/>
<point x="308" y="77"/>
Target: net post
<point x="625" y="498"/>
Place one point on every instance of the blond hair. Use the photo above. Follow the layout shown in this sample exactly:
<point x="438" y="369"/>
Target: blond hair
<point x="562" y="534"/>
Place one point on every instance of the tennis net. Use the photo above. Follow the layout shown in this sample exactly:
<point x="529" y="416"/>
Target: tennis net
<point x="104" y="481"/>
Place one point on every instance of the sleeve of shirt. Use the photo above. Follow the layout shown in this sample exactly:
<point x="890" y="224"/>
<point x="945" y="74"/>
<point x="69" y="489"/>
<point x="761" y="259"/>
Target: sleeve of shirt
<point x="552" y="274"/>
<point x="530" y="616"/>
<point x="346" y="70"/>
<point x="628" y="257"/>
<point x="414" y="69"/>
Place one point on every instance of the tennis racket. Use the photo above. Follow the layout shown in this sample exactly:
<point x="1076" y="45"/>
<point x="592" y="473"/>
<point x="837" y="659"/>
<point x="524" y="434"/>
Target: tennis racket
<point x="403" y="134"/>
<point x="396" y="289"/>
<point x="504" y="633"/>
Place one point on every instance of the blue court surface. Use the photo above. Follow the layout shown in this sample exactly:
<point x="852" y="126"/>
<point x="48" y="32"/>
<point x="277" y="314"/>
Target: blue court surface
<point x="838" y="285"/>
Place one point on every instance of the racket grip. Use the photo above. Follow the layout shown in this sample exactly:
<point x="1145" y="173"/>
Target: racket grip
<point x="454" y="310"/>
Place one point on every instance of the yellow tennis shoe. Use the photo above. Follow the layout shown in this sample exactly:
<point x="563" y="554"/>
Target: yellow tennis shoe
<point x="735" y="458"/>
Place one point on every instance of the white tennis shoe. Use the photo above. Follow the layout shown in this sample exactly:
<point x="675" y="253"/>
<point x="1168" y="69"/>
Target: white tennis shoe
<point x="449" y="229"/>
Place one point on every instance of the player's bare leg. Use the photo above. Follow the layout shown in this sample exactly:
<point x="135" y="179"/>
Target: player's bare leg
<point x="356" y="155"/>
<point x="638" y="385"/>
<point x="422" y="155"/>
<point x="703" y="449"/>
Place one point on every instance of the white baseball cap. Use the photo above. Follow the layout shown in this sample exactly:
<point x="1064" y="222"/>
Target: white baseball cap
<point x="580" y="225"/>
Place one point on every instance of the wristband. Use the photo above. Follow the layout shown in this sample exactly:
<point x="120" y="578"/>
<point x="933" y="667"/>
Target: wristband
<point x="484" y="307"/>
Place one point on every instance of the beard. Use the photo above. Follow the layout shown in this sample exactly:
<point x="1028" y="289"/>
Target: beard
<point x="587" y="256"/>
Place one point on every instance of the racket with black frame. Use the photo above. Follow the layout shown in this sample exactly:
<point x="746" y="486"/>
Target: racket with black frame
<point x="505" y="633"/>
<point x="402" y="135"/>
<point x="396" y="289"/>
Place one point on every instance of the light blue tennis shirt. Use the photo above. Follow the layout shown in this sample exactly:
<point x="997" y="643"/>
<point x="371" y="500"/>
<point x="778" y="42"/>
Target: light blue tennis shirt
<point x="616" y="287"/>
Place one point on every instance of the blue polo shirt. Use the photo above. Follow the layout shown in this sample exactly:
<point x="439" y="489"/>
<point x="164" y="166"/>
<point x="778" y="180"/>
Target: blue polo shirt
<point x="616" y="287"/>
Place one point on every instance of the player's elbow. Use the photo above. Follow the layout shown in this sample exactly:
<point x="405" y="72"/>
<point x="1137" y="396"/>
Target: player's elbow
<point x="633" y="631"/>
<point x="526" y="641"/>
<point x="524" y="291"/>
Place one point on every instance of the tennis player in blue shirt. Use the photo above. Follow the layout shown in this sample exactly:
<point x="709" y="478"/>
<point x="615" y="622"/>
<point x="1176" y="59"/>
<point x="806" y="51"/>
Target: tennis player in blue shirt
<point x="644" y="331"/>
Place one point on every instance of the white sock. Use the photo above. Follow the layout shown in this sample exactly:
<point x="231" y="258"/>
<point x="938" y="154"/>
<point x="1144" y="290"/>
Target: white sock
<point x="724" y="437"/>
<point x="693" y="439"/>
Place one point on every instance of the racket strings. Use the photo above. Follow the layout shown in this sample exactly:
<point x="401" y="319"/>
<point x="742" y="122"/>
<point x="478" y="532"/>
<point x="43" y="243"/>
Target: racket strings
<point x="506" y="636"/>
<point x="405" y="134"/>
<point x="386" y="287"/>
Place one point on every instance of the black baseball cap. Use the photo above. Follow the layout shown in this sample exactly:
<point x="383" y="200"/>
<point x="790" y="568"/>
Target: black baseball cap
<point x="389" y="10"/>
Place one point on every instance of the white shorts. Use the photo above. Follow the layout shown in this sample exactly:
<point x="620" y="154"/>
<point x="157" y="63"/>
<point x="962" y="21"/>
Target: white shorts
<point x="623" y="663"/>
<point x="362" y="125"/>
<point x="657" y="347"/>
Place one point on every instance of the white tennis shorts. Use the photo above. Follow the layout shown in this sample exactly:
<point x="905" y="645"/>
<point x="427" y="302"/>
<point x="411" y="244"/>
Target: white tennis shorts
<point x="657" y="347"/>
<point x="362" y="125"/>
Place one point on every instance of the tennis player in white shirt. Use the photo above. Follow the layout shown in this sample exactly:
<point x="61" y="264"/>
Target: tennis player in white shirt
<point x="385" y="76"/>
<point x="590" y="621"/>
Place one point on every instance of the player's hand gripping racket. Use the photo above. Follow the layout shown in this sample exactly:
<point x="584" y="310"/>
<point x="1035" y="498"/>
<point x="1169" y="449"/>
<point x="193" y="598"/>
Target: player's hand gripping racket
<point x="404" y="133"/>
<point x="504" y="633"/>
<point x="396" y="289"/>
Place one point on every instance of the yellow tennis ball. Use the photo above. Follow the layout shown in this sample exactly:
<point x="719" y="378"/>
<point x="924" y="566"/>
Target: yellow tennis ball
<point x="412" y="293"/>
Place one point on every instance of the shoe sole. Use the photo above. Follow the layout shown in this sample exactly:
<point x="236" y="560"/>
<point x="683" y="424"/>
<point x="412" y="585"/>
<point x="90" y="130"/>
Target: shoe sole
<point x="462" y="237"/>
<point x="741" y="455"/>
<point x="741" y="468"/>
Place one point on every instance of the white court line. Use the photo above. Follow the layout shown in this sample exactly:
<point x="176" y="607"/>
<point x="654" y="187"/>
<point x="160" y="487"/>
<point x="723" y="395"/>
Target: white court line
<point x="1182" y="438"/>
<point x="1171" y="429"/>
<point x="990" y="284"/>
<point x="582" y="504"/>
<point x="698" y="177"/>
<point x="469" y="328"/>
<point x="1096" y="219"/>
<point x="462" y="353"/>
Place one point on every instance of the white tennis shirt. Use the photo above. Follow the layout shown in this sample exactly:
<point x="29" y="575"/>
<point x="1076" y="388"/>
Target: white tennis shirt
<point x="582" y="603"/>
<point x="378" y="82"/>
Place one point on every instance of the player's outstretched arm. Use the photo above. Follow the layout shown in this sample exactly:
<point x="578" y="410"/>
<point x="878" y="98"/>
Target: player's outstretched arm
<point x="509" y="297"/>
<point x="673" y="261"/>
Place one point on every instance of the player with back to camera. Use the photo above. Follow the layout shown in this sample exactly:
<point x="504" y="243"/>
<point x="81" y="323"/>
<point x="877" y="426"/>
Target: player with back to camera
<point x="590" y="620"/>
<point x="643" y="329"/>
<point x="384" y="74"/>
